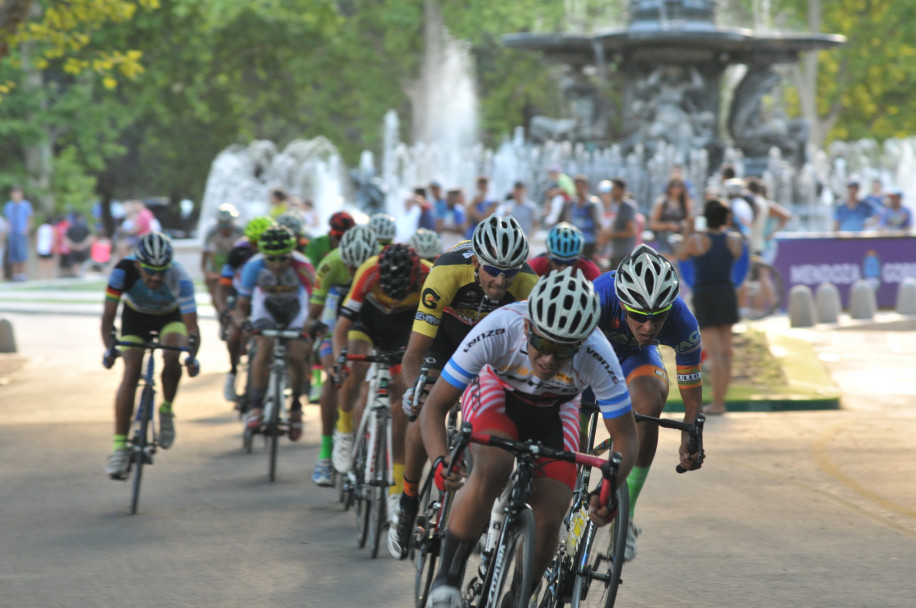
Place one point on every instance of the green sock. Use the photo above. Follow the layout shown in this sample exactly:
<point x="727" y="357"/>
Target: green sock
<point x="635" y="481"/>
<point x="327" y="443"/>
<point x="165" y="408"/>
<point x="120" y="442"/>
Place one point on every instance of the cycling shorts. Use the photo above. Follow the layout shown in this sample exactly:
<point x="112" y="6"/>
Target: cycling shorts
<point x="139" y="327"/>
<point x="488" y="406"/>
<point x="262" y="317"/>
<point x="647" y="361"/>
<point x="385" y="331"/>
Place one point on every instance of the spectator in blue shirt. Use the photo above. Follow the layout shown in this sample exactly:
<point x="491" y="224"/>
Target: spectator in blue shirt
<point x="853" y="215"/>
<point x="895" y="216"/>
<point x="18" y="213"/>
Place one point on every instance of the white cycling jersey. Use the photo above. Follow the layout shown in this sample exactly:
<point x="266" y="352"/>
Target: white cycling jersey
<point x="500" y="342"/>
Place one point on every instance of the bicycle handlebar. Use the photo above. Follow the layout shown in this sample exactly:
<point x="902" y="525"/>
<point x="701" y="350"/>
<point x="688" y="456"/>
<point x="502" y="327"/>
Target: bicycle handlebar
<point x="390" y="358"/>
<point x="288" y="334"/>
<point x="422" y="377"/>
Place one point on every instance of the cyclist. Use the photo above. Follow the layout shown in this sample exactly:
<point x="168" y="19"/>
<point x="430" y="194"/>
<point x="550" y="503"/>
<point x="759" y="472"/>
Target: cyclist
<point x="332" y="282"/>
<point x="564" y="248"/>
<point x="158" y="297"/>
<point x="320" y="246"/>
<point x="385" y="228"/>
<point x="274" y="290"/>
<point x="227" y="295"/>
<point x="640" y="309"/>
<point x="292" y="221"/>
<point x="466" y="284"/>
<point x="427" y="244"/>
<point x="378" y="311"/>
<point x="218" y="242"/>
<point x="519" y="373"/>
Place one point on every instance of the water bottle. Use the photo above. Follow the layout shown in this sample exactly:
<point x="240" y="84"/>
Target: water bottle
<point x="497" y="518"/>
<point x="576" y="528"/>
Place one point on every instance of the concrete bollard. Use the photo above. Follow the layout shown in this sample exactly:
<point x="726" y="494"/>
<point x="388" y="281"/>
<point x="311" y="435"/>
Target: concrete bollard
<point x="7" y="337"/>
<point x="906" y="297"/>
<point x="828" y="302"/>
<point x="802" y="312"/>
<point x="863" y="304"/>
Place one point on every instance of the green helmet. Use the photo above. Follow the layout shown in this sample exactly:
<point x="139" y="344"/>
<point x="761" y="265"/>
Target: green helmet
<point x="255" y="227"/>
<point x="276" y="240"/>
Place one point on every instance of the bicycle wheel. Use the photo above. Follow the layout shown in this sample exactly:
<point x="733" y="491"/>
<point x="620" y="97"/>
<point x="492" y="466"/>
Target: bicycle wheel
<point x="360" y="492"/>
<point x="379" y="488"/>
<point x="512" y="568"/>
<point x="764" y="291"/>
<point x="597" y="583"/>
<point x="140" y="442"/>
<point x="426" y="542"/>
<point x="273" y="424"/>
<point x="549" y="592"/>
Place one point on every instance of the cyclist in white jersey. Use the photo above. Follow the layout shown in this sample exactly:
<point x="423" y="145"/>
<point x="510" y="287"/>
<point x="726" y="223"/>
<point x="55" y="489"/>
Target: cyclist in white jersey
<point x="519" y="373"/>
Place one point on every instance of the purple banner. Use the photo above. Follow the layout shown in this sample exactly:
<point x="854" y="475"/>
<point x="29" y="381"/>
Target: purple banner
<point x="842" y="260"/>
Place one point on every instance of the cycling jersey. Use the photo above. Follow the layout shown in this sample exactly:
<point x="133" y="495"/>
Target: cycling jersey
<point x="367" y="288"/>
<point x="540" y="264"/>
<point x="298" y="276"/>
<point x="680" y="332"/>
<point x="499" y="344"/>
<point x="218" y="245"/>
<point x="318" y="248"/>
<point x="231" y="274"/>
<point x="331" y="272"/>
<point x="452" y="295"/>
<point x="175" y="293"/>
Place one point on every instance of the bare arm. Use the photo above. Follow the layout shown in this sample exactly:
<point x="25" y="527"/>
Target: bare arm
<point x="417" y="348"/>
<point x="108" y="318"/>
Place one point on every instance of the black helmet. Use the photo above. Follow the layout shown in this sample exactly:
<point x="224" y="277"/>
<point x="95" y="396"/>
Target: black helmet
<point x="399" y="266"/>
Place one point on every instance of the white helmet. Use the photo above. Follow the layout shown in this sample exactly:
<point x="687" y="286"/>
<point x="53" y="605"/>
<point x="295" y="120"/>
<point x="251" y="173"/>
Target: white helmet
<point x="384" y="226"/>
<point x="734" y="186"/>
<point x="357" y="245"/>
<point x="154" y="249"/>
<point x="646" y="281"/>
<point x="500" y="241"/>
<point x="427" y="243"/>
<point x="563" y="306"/>
<point x="226" y="213"/>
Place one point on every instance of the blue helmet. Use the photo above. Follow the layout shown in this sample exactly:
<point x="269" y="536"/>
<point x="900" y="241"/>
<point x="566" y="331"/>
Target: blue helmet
<point x="564" y="241"/>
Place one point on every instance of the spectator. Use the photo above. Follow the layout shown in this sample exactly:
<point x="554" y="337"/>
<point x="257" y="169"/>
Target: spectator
<point x="435" y="194"/>
<point x="44" y="247"/>
<point x="309" y="216"/>
<point x="560" y="189"/>
<point x="64" y="261"/>
<point x="279" y="202"/>
<point x="741" y="206"/>
<point x="715" y="303"/>
<point x="875" y="198"/>
<point x="584" y="212"/>
<point x="618" y="233"/>
<point x="481" y="207"/>
<point x="18" y="213"/>
<point x="853" y="215"/>
<point x="138" y="220"/>
<point x="895" y="217"/>
<point x="427" y="217"/>
<point x="79" y="239"/>
<point x="4" y="231"/>
<point x="451" y="219"/>
<point x="760" y="214"/>
<point x="519" y="206"/>
<point x="670" y="212"/>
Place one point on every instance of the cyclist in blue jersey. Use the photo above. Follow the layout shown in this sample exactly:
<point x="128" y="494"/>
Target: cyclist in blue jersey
<point x="641" y="309"/>
<point x="158" y="297"/>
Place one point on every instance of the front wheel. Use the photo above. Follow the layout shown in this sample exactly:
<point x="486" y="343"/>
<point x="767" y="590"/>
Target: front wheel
<point x="513" y="565"/>
<point x="599" y="578"/>
<point x="379" y="490"/>
<point x="138" y="452"/>
<point x="360" y="492"/>
<point x="426" y="540"/>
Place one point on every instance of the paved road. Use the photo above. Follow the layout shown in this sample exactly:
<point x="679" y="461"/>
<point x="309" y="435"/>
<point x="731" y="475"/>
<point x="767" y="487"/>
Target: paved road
<point x="797" y="509"/>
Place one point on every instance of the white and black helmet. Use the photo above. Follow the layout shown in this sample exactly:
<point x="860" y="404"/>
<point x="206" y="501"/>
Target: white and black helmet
<point x="563" y="306"/>
<point x="500" y="241"/>
<point x="646" y="281"/>
<point x="154" y="249"/>
<point x="227" y="213"/>
<point x="427" y="243"/>
<point x="384" y="226"/>
<point x="357" y="245"/>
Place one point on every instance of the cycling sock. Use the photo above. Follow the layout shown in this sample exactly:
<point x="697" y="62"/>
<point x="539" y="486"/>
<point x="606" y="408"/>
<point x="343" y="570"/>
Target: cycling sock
<point x="398" y="472"/>
<point x="257" y="397"/>
<point x="635" y="481"/>
<point x="233" y="369"/>
<point x="327" y="445"/>
<point x="455" y="554"/>
<point x="344" y="422"/>
<point x="410" y="503"/>
<point x="410" y="487"/>
<point x="165" y="408"/>
<point x="120" y="442"/>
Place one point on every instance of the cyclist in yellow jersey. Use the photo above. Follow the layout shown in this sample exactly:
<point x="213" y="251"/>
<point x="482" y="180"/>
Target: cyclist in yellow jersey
<point x="378" y="311"/>
<point x="467" y="283"/>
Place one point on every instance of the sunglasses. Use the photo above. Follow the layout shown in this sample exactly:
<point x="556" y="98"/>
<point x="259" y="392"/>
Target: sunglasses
<point x="658" y="316"/>
<point x="153" y="270"/>
<point x="277" y="258"/>
<point x="546" y="347"/>
<point x="560" y="262"/>
<point x="495" y="271"/>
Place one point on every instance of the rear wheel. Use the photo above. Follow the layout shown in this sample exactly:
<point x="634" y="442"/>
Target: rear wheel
<point x="763" y="291"/>
<point x="513" y="564"/>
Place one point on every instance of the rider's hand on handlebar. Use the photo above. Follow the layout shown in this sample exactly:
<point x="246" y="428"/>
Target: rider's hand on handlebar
<point x="599" y="505"/>
<point x="688" y="459"/>
<point x="407" y="402"/>
<point x="452" y="481"/>
<point x="109" y="357"/>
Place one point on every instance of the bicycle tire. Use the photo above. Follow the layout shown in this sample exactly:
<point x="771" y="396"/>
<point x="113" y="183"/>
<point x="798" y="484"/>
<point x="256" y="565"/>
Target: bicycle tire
<point x="141" y="440"/>
<point x="758" y="304"/>
<point x="425" y="543"/>
<point x="273" y="425"/>
<point x="361" y="498"/>
<point x="512" y="567"/>
<point x="379" y="488"/>
<point x="603" y="567"/>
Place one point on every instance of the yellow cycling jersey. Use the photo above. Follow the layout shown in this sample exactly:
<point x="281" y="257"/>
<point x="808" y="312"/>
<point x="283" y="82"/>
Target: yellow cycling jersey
<point x="452" y="289"/>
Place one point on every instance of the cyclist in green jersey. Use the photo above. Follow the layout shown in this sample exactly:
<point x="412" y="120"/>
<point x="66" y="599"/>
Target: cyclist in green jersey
<point x="319" y="247"/>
